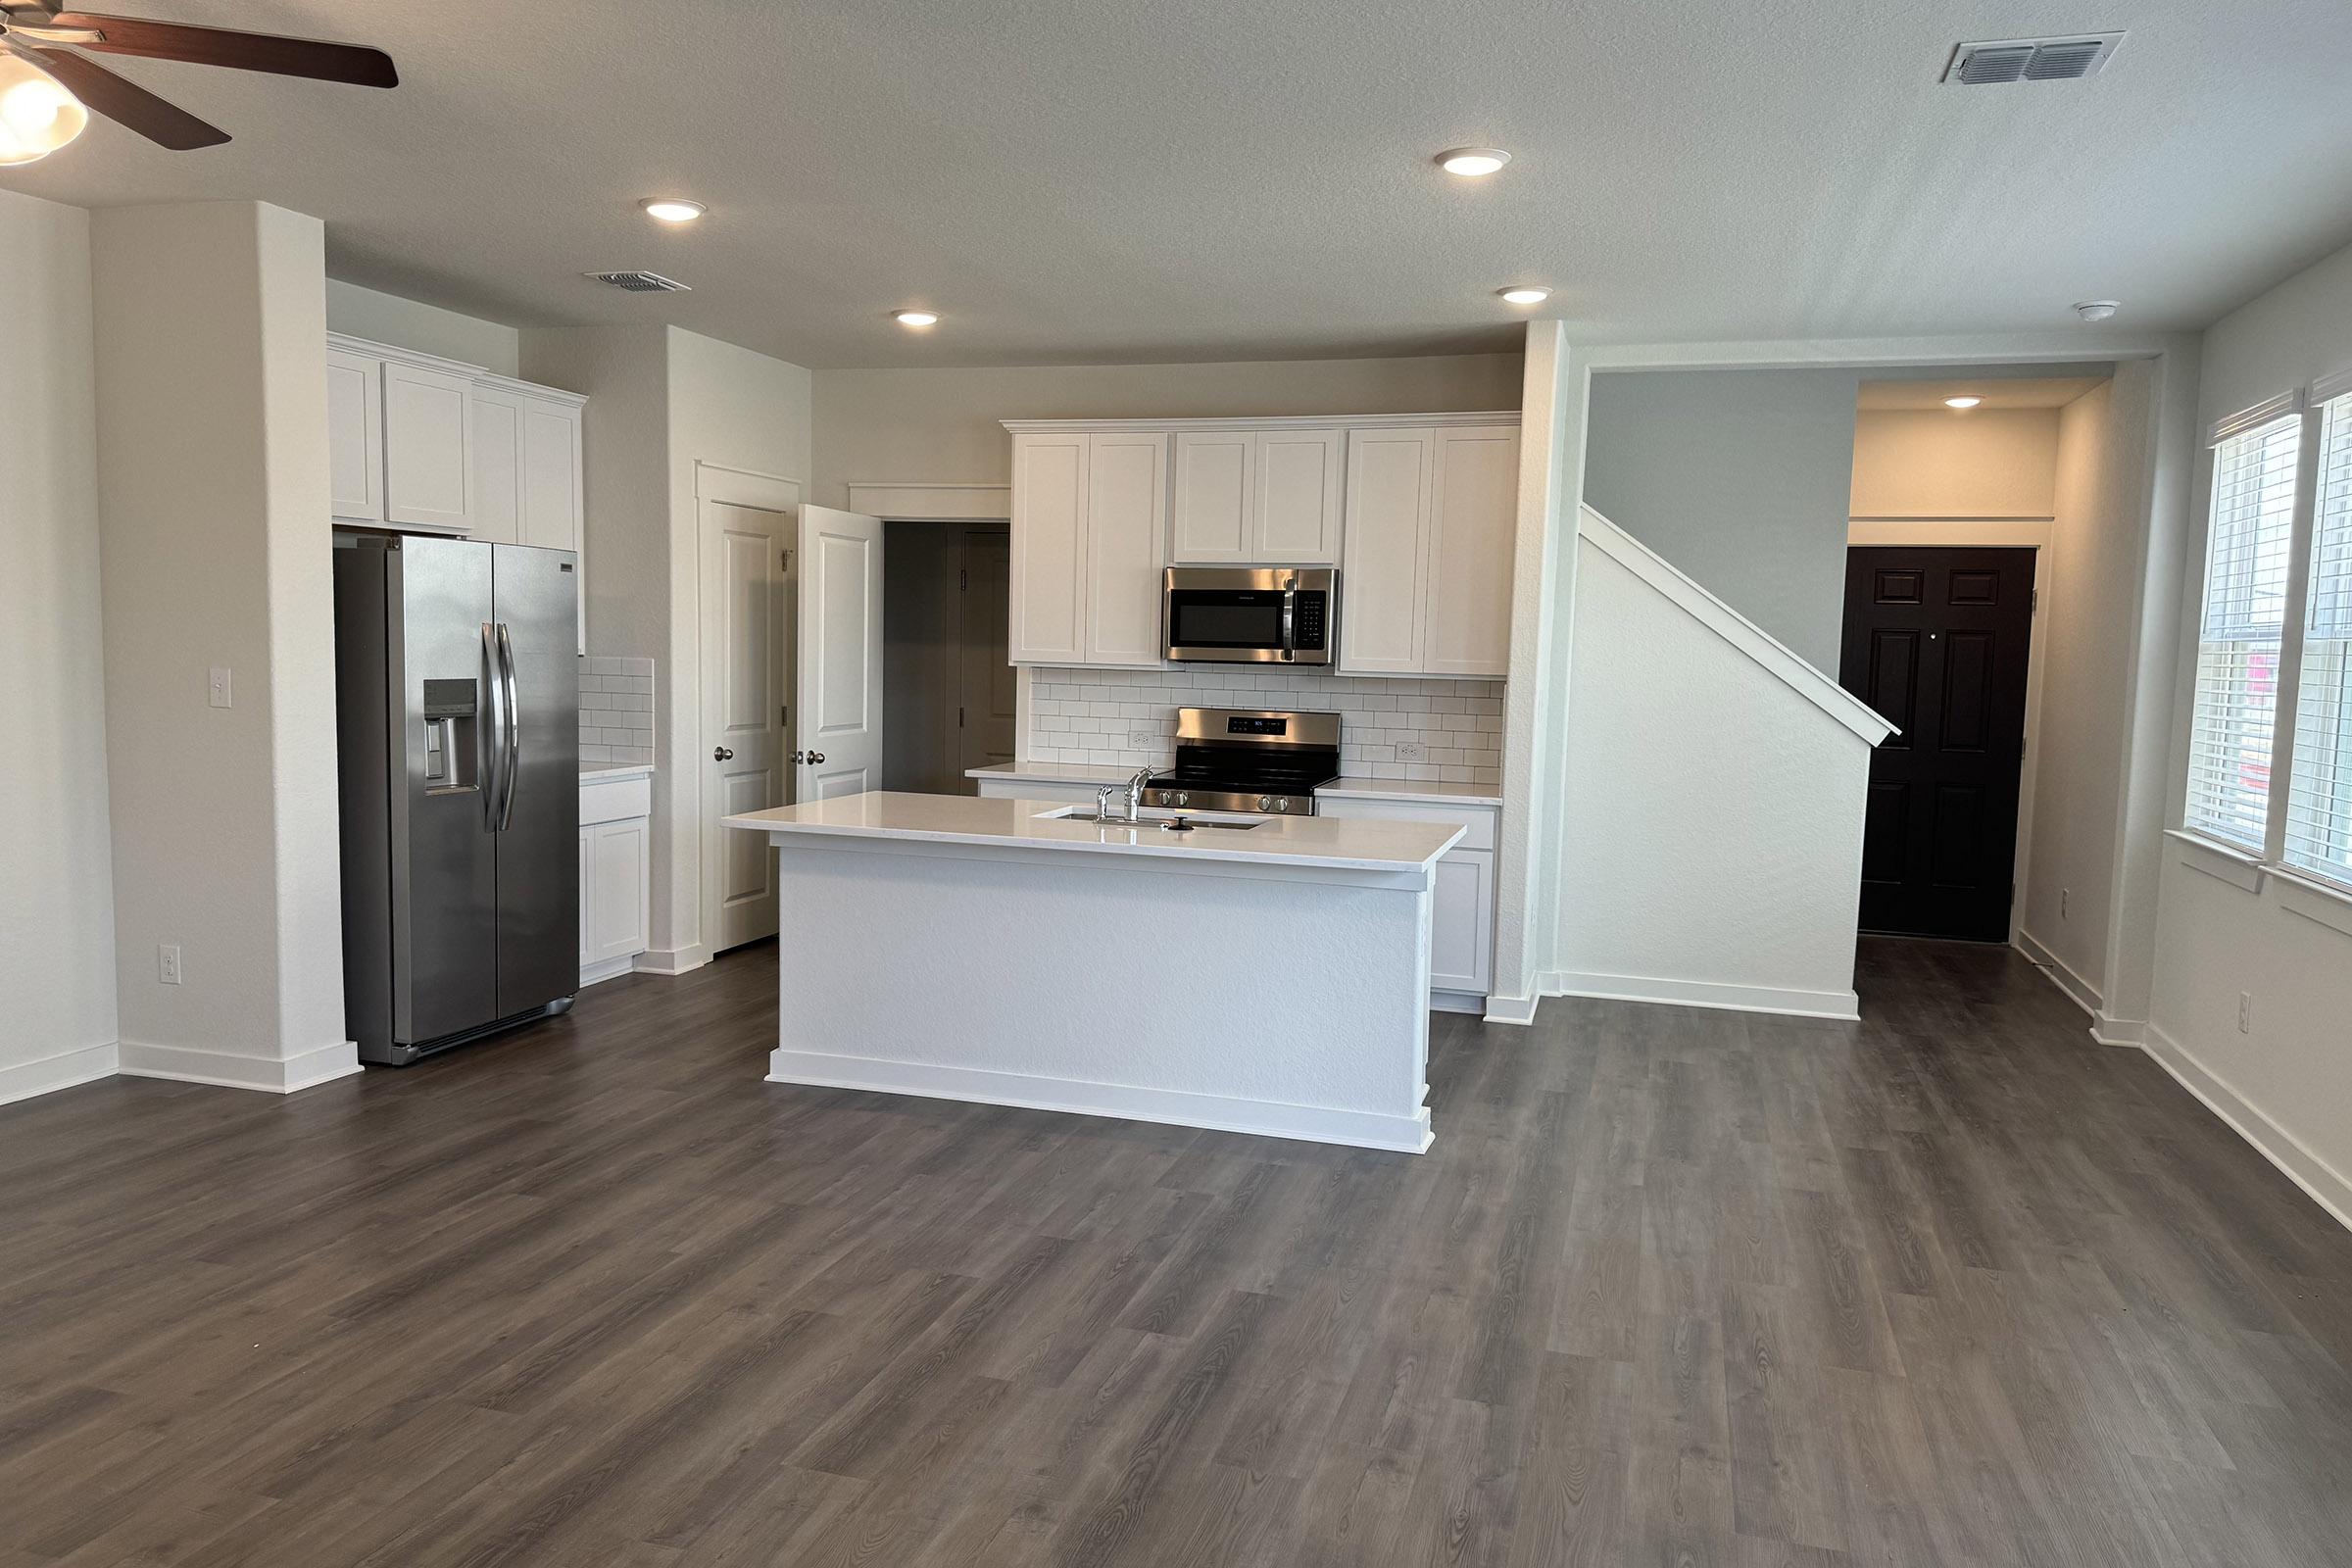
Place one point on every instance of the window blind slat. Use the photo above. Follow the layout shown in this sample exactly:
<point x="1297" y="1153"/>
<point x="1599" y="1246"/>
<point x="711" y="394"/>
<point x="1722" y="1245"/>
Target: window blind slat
<point x="2233" y="725"/>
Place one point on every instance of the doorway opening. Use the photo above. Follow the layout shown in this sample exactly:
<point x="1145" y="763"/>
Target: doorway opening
<point x="950" y="681"/>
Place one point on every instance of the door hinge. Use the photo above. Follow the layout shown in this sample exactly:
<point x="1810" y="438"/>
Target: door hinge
<point x="2033" y="607"/>
<point x="784" y="715"/>
<point x="959" y="718"/>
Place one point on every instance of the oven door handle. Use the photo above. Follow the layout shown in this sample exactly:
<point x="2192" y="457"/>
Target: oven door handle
<point x="1289" y="620"/>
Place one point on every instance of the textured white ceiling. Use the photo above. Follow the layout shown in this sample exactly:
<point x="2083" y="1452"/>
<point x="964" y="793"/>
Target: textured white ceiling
<point x="2035" y="392"/>
<point x="1074" y="181"/>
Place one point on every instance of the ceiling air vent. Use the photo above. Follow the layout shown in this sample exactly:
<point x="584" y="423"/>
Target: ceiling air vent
<point x="641" y="283"/>
<point x="1978" y="64"/>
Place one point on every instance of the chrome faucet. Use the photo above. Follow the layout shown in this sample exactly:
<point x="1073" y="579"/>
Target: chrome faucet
<point x="1135" y="793"/>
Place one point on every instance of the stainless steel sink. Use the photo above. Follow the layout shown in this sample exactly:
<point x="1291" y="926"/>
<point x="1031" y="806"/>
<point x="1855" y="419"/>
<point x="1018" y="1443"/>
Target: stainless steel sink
<point x="1165" y="824"/>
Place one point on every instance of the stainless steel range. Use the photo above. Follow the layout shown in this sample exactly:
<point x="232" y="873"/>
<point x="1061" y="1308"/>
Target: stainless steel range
<point x="1249" y="759"/>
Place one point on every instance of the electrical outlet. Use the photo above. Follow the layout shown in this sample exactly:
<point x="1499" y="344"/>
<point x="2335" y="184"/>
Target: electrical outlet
<point x="2245" y="1012"/>
<point x="1410" y="750"/>
<point x="217" y="691"/>
<point x="2064" y="894"/>
<point x="1142" y="740"/>
<point x="166" y="964"/>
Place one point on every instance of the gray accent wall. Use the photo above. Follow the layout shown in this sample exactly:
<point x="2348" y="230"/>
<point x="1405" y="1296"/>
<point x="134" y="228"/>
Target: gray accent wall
<point x="1740" y="478"/>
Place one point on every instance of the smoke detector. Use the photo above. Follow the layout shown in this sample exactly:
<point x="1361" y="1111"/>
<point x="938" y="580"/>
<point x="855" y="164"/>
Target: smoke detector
<point x="640" y="282"/>
<point x="1984" y="65"/>
<point x="2098" y="309"/>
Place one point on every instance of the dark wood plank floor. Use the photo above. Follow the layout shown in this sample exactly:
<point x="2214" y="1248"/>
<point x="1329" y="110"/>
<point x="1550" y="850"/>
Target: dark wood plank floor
<point x="1953" y="1285"/>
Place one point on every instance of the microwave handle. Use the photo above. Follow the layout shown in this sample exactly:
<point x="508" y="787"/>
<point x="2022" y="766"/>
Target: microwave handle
<point x="1289" y="620"/>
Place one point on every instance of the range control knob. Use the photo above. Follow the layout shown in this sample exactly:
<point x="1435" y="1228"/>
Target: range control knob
<point x="1281" y="803"/>
<point x="1265" y="803"/>
<point x="1183" y="796"/>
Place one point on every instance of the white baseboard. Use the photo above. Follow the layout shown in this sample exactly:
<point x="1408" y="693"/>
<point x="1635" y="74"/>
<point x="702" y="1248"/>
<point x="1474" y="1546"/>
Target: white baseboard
<point x="2109" y="1030"/>
<point x="1361" y="1129"/>
<point x="271" y="1075"/>
<point x="2038" y="953"/>
<point x="1841" y="1005"/>
<point x="1457" y="1001"/>
<point x="82" y="1066"/>
<point x="2328" y="1186"/>
<point x="1511" y="1009"/>
<point x="607" y="969"/>
<point x="671" y="960"/>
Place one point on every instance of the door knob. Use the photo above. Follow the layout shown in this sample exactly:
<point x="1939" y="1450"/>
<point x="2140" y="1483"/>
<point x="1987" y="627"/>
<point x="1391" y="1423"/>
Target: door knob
<point x="719" y="753"/>
<point x="800" y="756"/>
<point x="816" y="756"/>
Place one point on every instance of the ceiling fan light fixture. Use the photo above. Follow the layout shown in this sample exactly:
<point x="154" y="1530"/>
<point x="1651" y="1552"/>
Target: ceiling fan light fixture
<point x="672" y="209"/>
<point x="38" y="113"/>
<point x="1967" y="401"/>
<point x="1473" y="162"/>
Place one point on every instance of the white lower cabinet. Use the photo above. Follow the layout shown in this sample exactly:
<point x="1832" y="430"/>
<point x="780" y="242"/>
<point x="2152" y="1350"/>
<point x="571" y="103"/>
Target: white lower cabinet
<point x="616" y="874"/>
<point x="1462" y="936"/>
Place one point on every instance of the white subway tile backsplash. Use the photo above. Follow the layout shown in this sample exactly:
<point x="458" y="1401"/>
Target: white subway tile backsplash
<point x="1091" y="715"/>
<point x="616" y="710"/>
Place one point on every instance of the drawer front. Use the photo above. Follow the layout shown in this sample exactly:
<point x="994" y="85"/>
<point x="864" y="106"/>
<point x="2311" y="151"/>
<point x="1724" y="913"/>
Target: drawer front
<point x="1478" y="820"/>
<point x="616" y="800"/>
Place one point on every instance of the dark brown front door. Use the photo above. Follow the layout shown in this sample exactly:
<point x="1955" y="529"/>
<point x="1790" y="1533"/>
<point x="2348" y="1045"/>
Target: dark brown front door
<point x="1937" y="640"/>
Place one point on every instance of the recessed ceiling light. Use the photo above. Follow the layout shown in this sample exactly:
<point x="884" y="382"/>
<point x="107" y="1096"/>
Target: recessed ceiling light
<point x="1473" y="162"/>
<point x="1525" y="294"/>
<point x="916" y="318"/>
<point x="672" y="209"/>
<point x="1962" y="403"/>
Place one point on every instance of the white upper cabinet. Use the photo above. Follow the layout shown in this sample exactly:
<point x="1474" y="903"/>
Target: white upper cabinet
<point x="1261" y="497"/>
<point x="355" y="435"/>
<point x="497" y="465"/>
<point x="553" y="471"/>
<point x="428" y="447"/>
<point x="1392" y="478"/>
<point x="1127" y="509"/>
<point x="1426" y="586"/>
<point x="1048" y="613"/>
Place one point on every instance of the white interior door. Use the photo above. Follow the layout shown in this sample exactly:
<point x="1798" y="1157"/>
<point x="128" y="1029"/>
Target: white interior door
<point x="840" y="729"/>
<point x="746" y="606"/>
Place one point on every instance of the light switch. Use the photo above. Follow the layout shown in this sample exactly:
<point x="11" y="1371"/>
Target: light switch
<point x="219" y="686"/>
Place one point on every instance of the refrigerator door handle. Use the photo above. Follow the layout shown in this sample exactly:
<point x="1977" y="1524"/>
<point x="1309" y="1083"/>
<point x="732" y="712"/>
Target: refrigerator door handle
<point x="512" y="703"/>
<point x="490" y="730"/>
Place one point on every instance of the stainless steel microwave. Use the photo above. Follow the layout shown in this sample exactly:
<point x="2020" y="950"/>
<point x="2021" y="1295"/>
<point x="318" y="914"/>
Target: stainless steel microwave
<point x="1252" y="614"/>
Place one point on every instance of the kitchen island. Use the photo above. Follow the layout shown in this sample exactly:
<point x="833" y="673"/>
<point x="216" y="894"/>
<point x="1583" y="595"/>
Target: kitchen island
<point x="1270" y="978"/>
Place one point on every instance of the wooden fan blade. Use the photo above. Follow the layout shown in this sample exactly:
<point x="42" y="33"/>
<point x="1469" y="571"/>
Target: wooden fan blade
<point x="126" y="103"/>
<point x="242" y="51"/>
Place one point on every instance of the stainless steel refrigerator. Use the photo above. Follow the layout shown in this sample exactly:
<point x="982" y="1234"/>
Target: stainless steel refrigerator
<point x="457" y="680"/>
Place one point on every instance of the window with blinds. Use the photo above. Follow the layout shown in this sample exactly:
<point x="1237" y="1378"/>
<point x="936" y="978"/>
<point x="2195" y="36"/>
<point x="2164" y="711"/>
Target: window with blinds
<point x="2318" y="797"/>
<point x="2246" y="556"/>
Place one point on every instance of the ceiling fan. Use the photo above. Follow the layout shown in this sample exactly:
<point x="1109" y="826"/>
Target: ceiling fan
<point x="45" y="87"/>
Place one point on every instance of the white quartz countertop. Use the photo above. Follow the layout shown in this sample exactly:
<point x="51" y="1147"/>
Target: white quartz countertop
<point x="1306" y="842"/>
<point x="1345" y="786"/>
<point x="599" y="772"/>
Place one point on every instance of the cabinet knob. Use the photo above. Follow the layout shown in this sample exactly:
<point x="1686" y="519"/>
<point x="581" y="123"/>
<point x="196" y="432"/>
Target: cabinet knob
<point x="719" y="753"/>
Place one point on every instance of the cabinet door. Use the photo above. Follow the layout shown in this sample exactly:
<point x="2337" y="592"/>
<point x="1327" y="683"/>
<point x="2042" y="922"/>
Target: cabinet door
<point x="1382" y="602"/>
<point x="1473" y="524"/>
<point x="355" y="435"/>
<point x="618" y="865"/>
<point x="1127" y="510"/>
<point x="428" y="440"/>
<point x="1461" y="935"/>
<point x="551" y="474"/>
<point x="1217" y="493"/>
<point x="497" y="465"/>
<point x="1297" y="504"/>
<point x="1047" y="617"/>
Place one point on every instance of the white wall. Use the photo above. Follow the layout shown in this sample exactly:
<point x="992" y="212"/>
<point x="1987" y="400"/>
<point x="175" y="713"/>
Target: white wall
<point x="57" y="928"/>
<point x="2289" y="1079"/>
<point x="213" y="495"/>
<point x="1946" y="463"/>
<point x="1711" y="822"/>
<point x="428" y="328"/>
<point x="1741" y="479"/>
<point x="661" y="401"/>
<point x="941" y="426"/>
